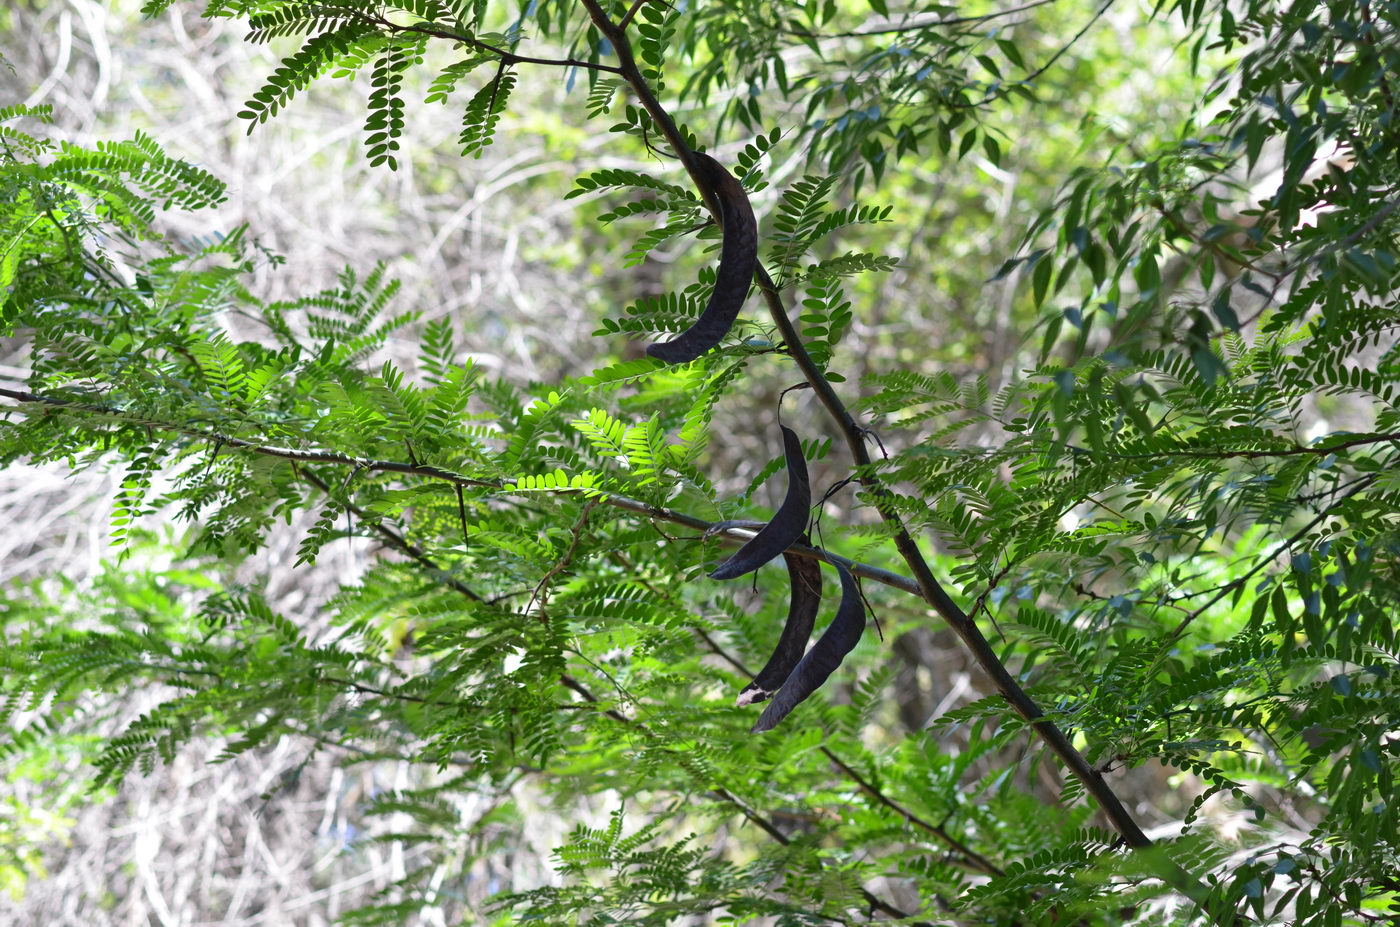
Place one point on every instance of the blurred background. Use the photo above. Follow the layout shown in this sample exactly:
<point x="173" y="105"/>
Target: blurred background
<point x="270" y="838"/>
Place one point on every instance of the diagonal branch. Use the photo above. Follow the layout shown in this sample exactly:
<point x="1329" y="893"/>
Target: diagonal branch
<point x="632" y="11"/>
<point x="1239" y="581"/>
<point x="541" y="593"/>
<point x="394" y="539"/>
<point x="728" y="797"/>
<point x="929" y="588"/>
<point x="970" y="858"/>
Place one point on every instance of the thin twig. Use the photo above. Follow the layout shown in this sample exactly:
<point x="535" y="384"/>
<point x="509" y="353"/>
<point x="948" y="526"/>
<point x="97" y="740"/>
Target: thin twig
<point x="915" y="27"/>
<point x="395" y="540"/>
<point x="541" y="593"/>
<point x="506" y="57"/>
<point x="929" y="588"/>
<point x="1031" y="77"/>
<point x="1241" y="580"/>
<point x="733" y="536"/>
<point x="971" y="858"/>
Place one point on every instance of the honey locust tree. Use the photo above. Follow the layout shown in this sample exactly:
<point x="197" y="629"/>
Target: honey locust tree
<point x="1167" y="543"/>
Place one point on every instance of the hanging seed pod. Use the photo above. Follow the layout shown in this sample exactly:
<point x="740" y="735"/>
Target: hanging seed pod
<point x="738" y="257"/>
<point x="805" y="576"/>
<point x="838" y="640"/>
<point x="788" y="523"/>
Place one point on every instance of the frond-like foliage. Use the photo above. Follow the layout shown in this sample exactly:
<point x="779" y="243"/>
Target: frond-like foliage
<point x="1171" y="521"/>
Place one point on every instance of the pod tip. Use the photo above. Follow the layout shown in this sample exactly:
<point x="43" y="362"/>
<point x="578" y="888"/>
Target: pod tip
<point x="752" y="695"/>
<point x="668" y="352"/>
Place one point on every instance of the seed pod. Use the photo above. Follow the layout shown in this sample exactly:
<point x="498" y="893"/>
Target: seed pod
<point x="788" y="522"/>
<point x="738" y="257"/>
<point x="805" y="576"/>
<point x="838" y="640"/>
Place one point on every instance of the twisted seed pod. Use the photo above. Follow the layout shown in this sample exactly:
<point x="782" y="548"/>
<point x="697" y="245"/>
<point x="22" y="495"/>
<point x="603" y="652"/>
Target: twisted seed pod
<point x="805" y="575"/>
<point x="738" y="257"/>
<point x="838" y="640"/>
<point x="788" y="522"/>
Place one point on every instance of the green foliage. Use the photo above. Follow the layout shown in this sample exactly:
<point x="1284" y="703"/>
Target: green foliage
<point x="484" y="111"/>
<point x="1179" y="521"/>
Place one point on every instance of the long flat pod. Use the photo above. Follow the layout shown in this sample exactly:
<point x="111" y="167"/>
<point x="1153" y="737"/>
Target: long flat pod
<point x="805" y="577"/>
<point x="787" y="524"/>
<point x="821" y="661"/>
<point x="738" y="257"/>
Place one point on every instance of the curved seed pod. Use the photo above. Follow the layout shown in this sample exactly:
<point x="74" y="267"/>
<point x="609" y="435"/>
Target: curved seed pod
<point x="738" y="257"/>
<point x="788" y="522"/>
<point x="720" y="527"/>
<point x="805" y="575"/>
<point x="838" y="640"/>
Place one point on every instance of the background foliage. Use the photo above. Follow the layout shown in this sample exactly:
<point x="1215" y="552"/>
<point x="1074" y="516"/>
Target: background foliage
<point x="1115" y="290"/>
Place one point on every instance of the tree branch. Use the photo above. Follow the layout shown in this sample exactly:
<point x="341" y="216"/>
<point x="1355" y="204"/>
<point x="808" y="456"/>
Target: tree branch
<point x="971" y="860"/>
<point x="1241" y="580"/>
<point x="765" y="824"/>
<point x="915" y="27"/>
<point x="733" y="536"/>
<point x="929" y="587"/>
<point x="395" y="540"/>
<point x="505" y="56"/>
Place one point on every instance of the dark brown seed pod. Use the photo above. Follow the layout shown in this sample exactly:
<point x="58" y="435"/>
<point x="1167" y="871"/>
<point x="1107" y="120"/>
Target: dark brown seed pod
<point x="821" y="661"/>
<point x="738" y="257"/>
<point x="788" y="523"/>
<point x="805" y="576"/>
